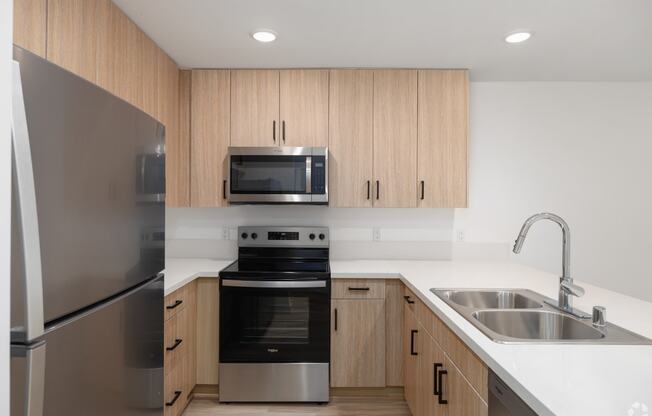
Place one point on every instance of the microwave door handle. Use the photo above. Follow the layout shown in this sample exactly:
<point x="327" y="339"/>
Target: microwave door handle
<point x="143" y="162"/>
<point x="266" y="284"/>
<point x="34" y="386"/>
<point x="27" y="213"/>
<point x="308" y="175"/>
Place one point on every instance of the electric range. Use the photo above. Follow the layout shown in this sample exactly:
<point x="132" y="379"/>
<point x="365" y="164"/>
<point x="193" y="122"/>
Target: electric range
<point x="275" y="317"/>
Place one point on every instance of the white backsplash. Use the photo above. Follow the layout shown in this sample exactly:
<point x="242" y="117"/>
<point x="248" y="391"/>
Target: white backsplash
<point x="424" y="234"/>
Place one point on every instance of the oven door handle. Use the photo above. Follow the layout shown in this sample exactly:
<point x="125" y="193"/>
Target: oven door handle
<point x="267" y="284"/>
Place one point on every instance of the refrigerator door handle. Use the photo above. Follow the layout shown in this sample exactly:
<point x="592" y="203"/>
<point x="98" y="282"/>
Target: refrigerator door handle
<point x="34" y="377"/>
<point x="26" y="193"/>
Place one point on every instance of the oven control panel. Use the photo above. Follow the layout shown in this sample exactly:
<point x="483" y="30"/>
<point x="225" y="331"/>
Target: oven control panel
<point x="283" y="236"/>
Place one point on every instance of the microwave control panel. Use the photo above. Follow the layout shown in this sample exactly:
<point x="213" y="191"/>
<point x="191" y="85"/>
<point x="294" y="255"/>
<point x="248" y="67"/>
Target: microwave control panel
<point x="318" y="177"/>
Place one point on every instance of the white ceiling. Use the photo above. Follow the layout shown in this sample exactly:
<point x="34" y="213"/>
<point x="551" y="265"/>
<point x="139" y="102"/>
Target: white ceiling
<point x="592" y="40"/>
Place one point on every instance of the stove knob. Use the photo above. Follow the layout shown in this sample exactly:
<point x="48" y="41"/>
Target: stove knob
<point x="244" y="236"/>
<point x="254" y="236"/>
<point x="311" y="236"/>
<point x="322" y="236"/>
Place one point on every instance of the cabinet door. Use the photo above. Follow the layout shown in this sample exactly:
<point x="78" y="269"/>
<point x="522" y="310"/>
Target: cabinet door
<point x="207" y="330"/>
<point x="350" y="141"/>
<point x="431" y="360"/>
<point x="462" y="399"/>
<point x="442" y="144"/>
<point x="304" y="107"/>
<point x="358" y="343"/>
<point x="210" y="129"/>
<point x="395" y="138"/>
<point x="190" y="328"/>
<point x="149" y="75"/>
<point x="72" y="35"/>
<point x="394" y="332"/>
<point x="29" y="25"/>
<point x="255" y="107"/>
<point x="410" y="358"/>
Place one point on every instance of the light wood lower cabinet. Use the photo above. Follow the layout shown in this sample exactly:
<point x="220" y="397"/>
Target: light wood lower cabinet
<point x="358" y="333"/>
<point x="180" y="348"/>
<point x="435" y="384"/>
<point x="207" y="324"/>
<point x="410" y="358"/>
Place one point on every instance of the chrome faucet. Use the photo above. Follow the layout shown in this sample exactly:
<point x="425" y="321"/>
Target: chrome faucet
<point x="566" y="286"/>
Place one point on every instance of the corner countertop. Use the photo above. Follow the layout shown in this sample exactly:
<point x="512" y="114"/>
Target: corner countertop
<point x="552" y="379"/>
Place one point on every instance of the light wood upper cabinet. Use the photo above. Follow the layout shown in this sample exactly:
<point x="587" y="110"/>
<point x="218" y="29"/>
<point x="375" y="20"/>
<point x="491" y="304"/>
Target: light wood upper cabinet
<point x="350" y="125"/>
<point x="255" y="107"/>
<point x="304" y="107"/>
<point x="395" y="138"/>
<point x="72" y="33"/>
<point x="210" y="127"/>
<point x="358" y="343"/>
<point x="30" y="21"/>
<point x="149" y="75"/>
<point x="442" y="144"/>
<point x="119" y="54"/>
<point x="177" y="152"/>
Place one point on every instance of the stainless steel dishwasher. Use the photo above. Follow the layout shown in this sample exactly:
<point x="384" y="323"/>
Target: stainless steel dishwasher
<point x="503" y="401"/>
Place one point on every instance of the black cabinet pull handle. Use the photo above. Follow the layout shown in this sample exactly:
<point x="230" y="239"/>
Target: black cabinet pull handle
<point x="412" y="332"/>
<point x="177" y="342"/>
<point x="440" y="382"/>
<point x="377" y="189"/>
<point x="274" y="131"/>
<point x="177" y="303"/>
<point x="224" y="189"/>
<point x="177" y="394"/>
<point x="283" y="131"/>
<point x="408" y="300"/>
<point x="336" y="319"/>
<point x="435" y="378"/>
<point x="368" y="189"/>
<point x="423" y="184"/>
<point x="362" y="289"/>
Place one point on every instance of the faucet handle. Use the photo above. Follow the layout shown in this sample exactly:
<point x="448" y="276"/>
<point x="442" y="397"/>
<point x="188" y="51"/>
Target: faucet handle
<point x="599" y="316"/>
<point x="571" y="288"/>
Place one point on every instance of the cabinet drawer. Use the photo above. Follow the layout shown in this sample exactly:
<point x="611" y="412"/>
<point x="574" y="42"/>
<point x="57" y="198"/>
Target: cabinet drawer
<point x="175" y="301"/>
<point x="358" y="289"/>
<point x="410" y="300"/>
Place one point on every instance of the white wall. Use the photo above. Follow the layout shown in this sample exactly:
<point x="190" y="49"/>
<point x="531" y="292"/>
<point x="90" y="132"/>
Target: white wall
<point x="5" y="190"/>
<point x="581" y="150"/>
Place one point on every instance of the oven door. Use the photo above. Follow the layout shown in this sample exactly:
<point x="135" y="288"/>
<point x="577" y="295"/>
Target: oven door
<point x="277" y="175"/>
<point x="264" y="321"/>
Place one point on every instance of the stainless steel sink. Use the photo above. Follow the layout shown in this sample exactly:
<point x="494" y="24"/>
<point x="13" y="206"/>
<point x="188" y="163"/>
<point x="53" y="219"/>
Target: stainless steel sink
<point x="537" y="325"/>
<point x="491" y="299"/>
<point x="513" y="316"/>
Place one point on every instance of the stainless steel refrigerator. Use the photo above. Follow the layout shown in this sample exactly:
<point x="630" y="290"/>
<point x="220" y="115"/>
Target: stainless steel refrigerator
<point x="87" y="248"/>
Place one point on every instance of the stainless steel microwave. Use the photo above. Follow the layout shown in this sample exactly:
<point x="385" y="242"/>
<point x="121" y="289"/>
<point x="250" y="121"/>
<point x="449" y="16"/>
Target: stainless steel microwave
<point x="277" y="175"/>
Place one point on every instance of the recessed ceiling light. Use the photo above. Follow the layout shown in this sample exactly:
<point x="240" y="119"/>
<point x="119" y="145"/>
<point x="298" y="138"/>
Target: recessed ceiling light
<point x="264" y="35"/>
<point x="518" y="37"/>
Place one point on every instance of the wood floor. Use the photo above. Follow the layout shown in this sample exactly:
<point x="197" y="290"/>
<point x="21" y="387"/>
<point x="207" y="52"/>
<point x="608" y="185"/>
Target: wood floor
<point x="339" y="406"/>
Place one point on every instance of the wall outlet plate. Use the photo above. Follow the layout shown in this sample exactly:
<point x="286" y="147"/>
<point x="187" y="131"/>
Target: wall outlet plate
<point x="376" y="234"/>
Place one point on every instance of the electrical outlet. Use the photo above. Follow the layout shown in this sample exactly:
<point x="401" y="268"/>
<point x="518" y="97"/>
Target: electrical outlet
<point x="376" y="234"/>
<point x="225" y="233"/>
<point x="461" y="235"/>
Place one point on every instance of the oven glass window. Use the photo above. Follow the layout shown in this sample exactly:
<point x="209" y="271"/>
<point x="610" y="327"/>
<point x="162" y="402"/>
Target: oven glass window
<point x="275" y="320"/>
<point x="274" y="325"/>
<point x="268" y="174"/>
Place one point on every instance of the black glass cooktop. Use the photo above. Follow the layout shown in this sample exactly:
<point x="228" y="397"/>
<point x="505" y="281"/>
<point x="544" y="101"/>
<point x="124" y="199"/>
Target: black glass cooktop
<point x="276" y="264"/>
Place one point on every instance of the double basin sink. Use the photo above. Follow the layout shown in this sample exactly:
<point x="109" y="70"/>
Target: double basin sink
<point x="522" y="316"/>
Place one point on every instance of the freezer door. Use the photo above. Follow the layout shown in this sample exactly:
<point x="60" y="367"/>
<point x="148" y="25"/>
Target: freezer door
<point x="98" y="173"/>
<point x="107" y="361"/>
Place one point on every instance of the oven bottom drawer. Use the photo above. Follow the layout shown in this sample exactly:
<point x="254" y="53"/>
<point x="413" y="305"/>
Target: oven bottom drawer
<point x="274" y="382"/>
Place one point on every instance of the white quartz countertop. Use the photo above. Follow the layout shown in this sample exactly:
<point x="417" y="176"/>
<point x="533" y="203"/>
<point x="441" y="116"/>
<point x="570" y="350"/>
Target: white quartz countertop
<point x="553" y="379"/>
